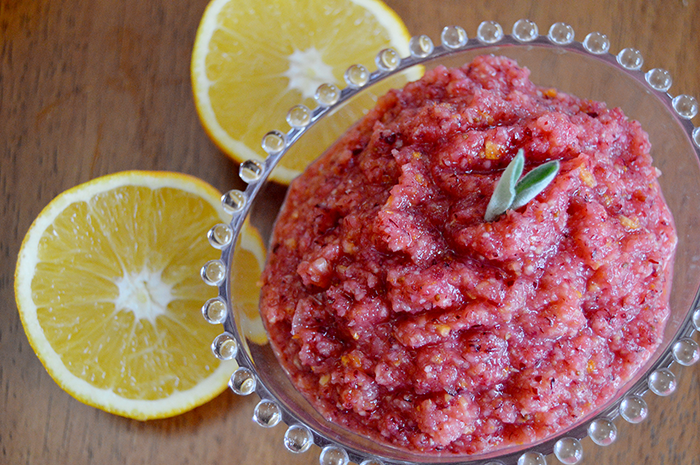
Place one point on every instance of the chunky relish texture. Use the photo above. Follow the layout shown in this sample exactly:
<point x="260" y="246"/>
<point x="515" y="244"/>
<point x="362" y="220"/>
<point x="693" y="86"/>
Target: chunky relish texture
<point x="403" y="315"/>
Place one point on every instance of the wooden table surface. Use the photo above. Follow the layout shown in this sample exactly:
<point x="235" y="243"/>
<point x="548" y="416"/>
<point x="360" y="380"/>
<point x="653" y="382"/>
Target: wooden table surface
<point x="91" y="87"/>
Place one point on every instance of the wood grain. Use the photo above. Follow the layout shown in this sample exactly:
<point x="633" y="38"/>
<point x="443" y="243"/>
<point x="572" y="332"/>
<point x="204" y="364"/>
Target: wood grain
<point x="93" y="87"/>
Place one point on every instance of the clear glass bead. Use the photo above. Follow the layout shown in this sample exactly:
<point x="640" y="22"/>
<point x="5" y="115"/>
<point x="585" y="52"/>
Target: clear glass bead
<point x="489" y="32"/>
<point x="213" y="272"/>
<point x="420" y="46"/>
<point x="242" y="382"/>
<point x="214" y="311"/>
<point x="630" y="58"/>
<point x="274" y="142"/>
<point x="224" y="347"/>
<point x="220" y="236"/>
<point x="372" y="462"/>
<point x="327" y="95"/>
<point x="525" y="30"/>
<point x="596" y="43"/>
<point x="267" y="414"/>
<point x="298" y="439"/>
<point x="686" y="106"/>
<point x="662" y="382"/>
<point x="233" y="201"/>
<point x="561" y="34"/>
<point x="569" y="451"/>
<point x="659" y="79"/>
<point x="696" y="139"/>
<point x="686" y="351"/>
<point x="387" y="60"/>
<point x="633" y="409"/>
<point x="299" y="116"/>
<point x="602" y="432"/>
<point x="250" y="171"/>
<point x="356" y="76"/>
<point x="333" y="455"/>
<point x="453" y="37"/>
<point x="532" y="458"/>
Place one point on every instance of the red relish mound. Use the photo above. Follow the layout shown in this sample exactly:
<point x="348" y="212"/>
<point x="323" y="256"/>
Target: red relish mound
<point x="402" y="315"/>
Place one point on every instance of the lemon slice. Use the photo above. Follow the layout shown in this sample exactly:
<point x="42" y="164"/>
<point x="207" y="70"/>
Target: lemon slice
<point x="254" y="60"/>
<point x="109" y="293"/>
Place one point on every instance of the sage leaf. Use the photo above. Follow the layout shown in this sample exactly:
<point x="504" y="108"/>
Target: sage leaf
<point x="504" y="193"/>
<point x="534" y="182"/>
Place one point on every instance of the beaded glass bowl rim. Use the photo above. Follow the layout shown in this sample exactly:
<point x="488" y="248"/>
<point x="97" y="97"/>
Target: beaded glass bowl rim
<point x="299" y="437"/>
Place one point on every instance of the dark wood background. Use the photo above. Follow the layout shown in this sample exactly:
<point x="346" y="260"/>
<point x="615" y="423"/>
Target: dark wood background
<point x="90" y="87"/>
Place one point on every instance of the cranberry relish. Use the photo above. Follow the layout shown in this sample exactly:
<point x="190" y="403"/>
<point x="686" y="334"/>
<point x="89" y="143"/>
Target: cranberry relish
<point x="404" y="316"/>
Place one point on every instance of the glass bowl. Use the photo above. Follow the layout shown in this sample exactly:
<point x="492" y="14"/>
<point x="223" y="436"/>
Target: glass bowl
<point x="586" y="69"/>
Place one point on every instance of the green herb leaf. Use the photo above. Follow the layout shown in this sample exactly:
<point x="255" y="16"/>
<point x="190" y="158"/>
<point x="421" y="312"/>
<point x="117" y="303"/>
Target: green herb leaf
<point x="511" y="193"/>
<point x="504" y="193"/>
<point x="534" y="182"/>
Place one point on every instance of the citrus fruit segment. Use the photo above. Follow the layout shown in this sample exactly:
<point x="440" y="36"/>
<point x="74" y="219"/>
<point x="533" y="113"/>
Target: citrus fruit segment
<point x="109" y="293"/>
<point x="254" y="60"/>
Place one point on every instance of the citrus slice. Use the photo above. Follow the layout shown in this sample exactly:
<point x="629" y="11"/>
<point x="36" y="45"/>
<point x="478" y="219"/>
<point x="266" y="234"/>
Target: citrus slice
<point x="254" y="60"/>
<point x="109" y="293"/>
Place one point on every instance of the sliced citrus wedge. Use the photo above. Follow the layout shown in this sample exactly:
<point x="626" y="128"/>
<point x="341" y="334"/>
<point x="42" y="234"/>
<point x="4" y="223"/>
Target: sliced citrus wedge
<point x="109" y="293"/>
<point x="254" y="60"/>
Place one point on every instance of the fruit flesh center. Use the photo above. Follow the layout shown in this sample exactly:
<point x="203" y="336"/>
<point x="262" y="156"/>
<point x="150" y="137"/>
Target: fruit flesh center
<point x="144" y="293"/>
<point x="307" y="71"/>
